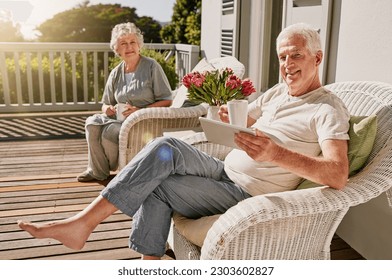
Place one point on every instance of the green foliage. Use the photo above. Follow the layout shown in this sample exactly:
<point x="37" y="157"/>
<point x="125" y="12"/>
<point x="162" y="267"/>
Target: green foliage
<point x="193" y="29"/>
<point x="168" y="67"/>
<point x="150" y="29"/>
<point x="94" y="23"/>
<point x="185" y="25"/>
<point x="48" y="70"/>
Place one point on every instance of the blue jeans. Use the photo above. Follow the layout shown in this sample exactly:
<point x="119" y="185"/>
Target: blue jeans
<point x="169" y="175"/>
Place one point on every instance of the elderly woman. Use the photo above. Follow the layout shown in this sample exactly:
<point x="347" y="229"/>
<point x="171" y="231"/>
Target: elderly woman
<point x="137" y="82"/>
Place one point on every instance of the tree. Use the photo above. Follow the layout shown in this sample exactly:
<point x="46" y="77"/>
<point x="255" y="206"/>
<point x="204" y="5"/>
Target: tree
<point x="94" y="23"/>
<point x="185" y="25"/>
<point x="9" y="32"/>
<point x="150" y="29"/>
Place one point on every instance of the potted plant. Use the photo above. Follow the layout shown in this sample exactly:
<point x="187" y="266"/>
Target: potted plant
<point x="216" y="87"/>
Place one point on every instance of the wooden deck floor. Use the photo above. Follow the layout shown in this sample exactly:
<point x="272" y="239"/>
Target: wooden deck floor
<point x="37" y="183"/>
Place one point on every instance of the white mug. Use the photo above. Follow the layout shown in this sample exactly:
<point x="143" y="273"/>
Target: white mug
<point x="238" y="112"/>
<point x="120" y="108"/>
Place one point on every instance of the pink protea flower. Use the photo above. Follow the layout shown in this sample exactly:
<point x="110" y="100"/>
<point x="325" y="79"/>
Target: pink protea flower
<point x="233" y="82"/>
<point x="198" y="79"/>
<point x="187" y="80"/>
<point x="229" y="71"/>
<point x="247" y="87"/>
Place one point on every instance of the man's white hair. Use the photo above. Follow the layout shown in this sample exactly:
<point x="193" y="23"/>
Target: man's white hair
<point x="307" y="32"/>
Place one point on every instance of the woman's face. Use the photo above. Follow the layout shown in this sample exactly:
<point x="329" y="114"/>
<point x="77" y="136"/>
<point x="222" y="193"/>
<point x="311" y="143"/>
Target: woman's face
<point x="128" y="46"/>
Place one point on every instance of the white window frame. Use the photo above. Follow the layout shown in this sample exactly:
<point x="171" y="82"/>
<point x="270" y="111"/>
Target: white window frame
<point x="324" y="25"/>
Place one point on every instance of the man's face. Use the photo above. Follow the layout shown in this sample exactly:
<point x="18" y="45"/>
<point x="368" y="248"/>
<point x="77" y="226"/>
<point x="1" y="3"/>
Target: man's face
<point x="298" y="67"/>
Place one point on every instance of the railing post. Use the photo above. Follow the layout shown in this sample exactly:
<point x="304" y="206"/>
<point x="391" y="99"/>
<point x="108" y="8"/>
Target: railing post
<point x="187" y="56"/>
<point x="66" y="76"/>
<point x="4" y="76"/>
<point x="194" y="57"/>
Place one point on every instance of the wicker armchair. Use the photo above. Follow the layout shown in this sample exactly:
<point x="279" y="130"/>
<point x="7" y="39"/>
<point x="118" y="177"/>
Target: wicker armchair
<point x="146" y="124"/>
<point x="300" y="224"/>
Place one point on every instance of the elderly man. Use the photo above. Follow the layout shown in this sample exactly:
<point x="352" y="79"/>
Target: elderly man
<point x="296" y="121"/>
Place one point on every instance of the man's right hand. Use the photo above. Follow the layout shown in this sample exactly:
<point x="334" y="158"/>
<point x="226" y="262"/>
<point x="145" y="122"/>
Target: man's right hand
<point x="224" y="116"/>
<point x="224" y="113"/>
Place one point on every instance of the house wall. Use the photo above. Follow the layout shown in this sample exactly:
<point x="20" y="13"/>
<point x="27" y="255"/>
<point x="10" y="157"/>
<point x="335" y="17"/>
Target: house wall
<point x="365" y="40"/>
<point x="363" y="53"/>
<point x="361" y="39"/>
<point x="210" y="28"/>
<point x="253" y="48"/>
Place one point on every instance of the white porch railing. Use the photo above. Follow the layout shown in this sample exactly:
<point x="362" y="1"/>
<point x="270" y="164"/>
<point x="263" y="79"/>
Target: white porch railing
<point x="42" y="77"/>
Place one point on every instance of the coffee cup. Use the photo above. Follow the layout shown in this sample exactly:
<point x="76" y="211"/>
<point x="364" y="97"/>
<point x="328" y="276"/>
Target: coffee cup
<point x="120" y="108"/>
<point x="238" y="112"/>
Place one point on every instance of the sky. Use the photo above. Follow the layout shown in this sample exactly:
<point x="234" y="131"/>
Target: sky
<point x="31" y="13"/>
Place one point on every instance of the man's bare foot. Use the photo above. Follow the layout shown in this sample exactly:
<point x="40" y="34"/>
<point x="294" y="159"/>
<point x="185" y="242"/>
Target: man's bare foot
<point x="69" y="232"/>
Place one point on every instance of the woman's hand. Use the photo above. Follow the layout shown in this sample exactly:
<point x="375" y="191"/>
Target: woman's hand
<point x="109" y="110"/>
<point x="129" y="109"/>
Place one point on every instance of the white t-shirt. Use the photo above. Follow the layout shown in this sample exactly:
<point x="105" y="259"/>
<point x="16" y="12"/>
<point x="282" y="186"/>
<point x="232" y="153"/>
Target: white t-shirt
<point x="299" y="123"/>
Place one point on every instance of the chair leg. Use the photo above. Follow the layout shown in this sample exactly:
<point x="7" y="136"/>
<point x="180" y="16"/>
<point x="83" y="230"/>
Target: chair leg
<point x="170" y="253"/>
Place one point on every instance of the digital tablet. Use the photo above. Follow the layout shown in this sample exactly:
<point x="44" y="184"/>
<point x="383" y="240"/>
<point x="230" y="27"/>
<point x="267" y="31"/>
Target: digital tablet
<point x="222" y="133"/>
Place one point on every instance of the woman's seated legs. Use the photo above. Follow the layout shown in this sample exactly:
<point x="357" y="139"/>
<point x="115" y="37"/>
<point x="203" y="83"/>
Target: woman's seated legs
<point x="102" y="151"/>
<point x="109" y="141"/>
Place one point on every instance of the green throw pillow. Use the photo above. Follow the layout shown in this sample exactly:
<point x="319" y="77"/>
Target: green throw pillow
<point x="362" y="134"/>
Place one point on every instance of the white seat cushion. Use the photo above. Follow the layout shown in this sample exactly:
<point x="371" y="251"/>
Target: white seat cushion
<point x="194" y="230"/>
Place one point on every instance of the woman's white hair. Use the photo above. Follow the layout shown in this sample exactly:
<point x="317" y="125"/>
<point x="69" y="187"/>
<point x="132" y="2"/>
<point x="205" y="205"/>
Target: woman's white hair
<point x="307" y="32"/>
<point x="125" y="29"/>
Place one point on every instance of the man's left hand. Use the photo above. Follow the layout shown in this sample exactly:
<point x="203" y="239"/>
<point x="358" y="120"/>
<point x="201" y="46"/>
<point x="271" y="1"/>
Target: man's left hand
<point x="260" y="147"/>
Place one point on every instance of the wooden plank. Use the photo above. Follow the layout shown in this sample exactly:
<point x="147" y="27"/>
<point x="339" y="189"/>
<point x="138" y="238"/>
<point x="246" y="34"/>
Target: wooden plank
<point x="22" y="182"/>
<point x="50" y="114"/>
<point x="48" y="159"/>
<point x="39" y="145"/>
<point x="43" y="210"/>
<point x="77" y="169"/>
<point x="47" y="194"/>
<point x="24" y="159"/>
<point x="48" y="186"/>
<point x="56" y="203"/>
<point x="28" y="242"/>
<point x="37" y="177"/>
<point x="29" y="253"/>
<point x="113" y="254"/>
